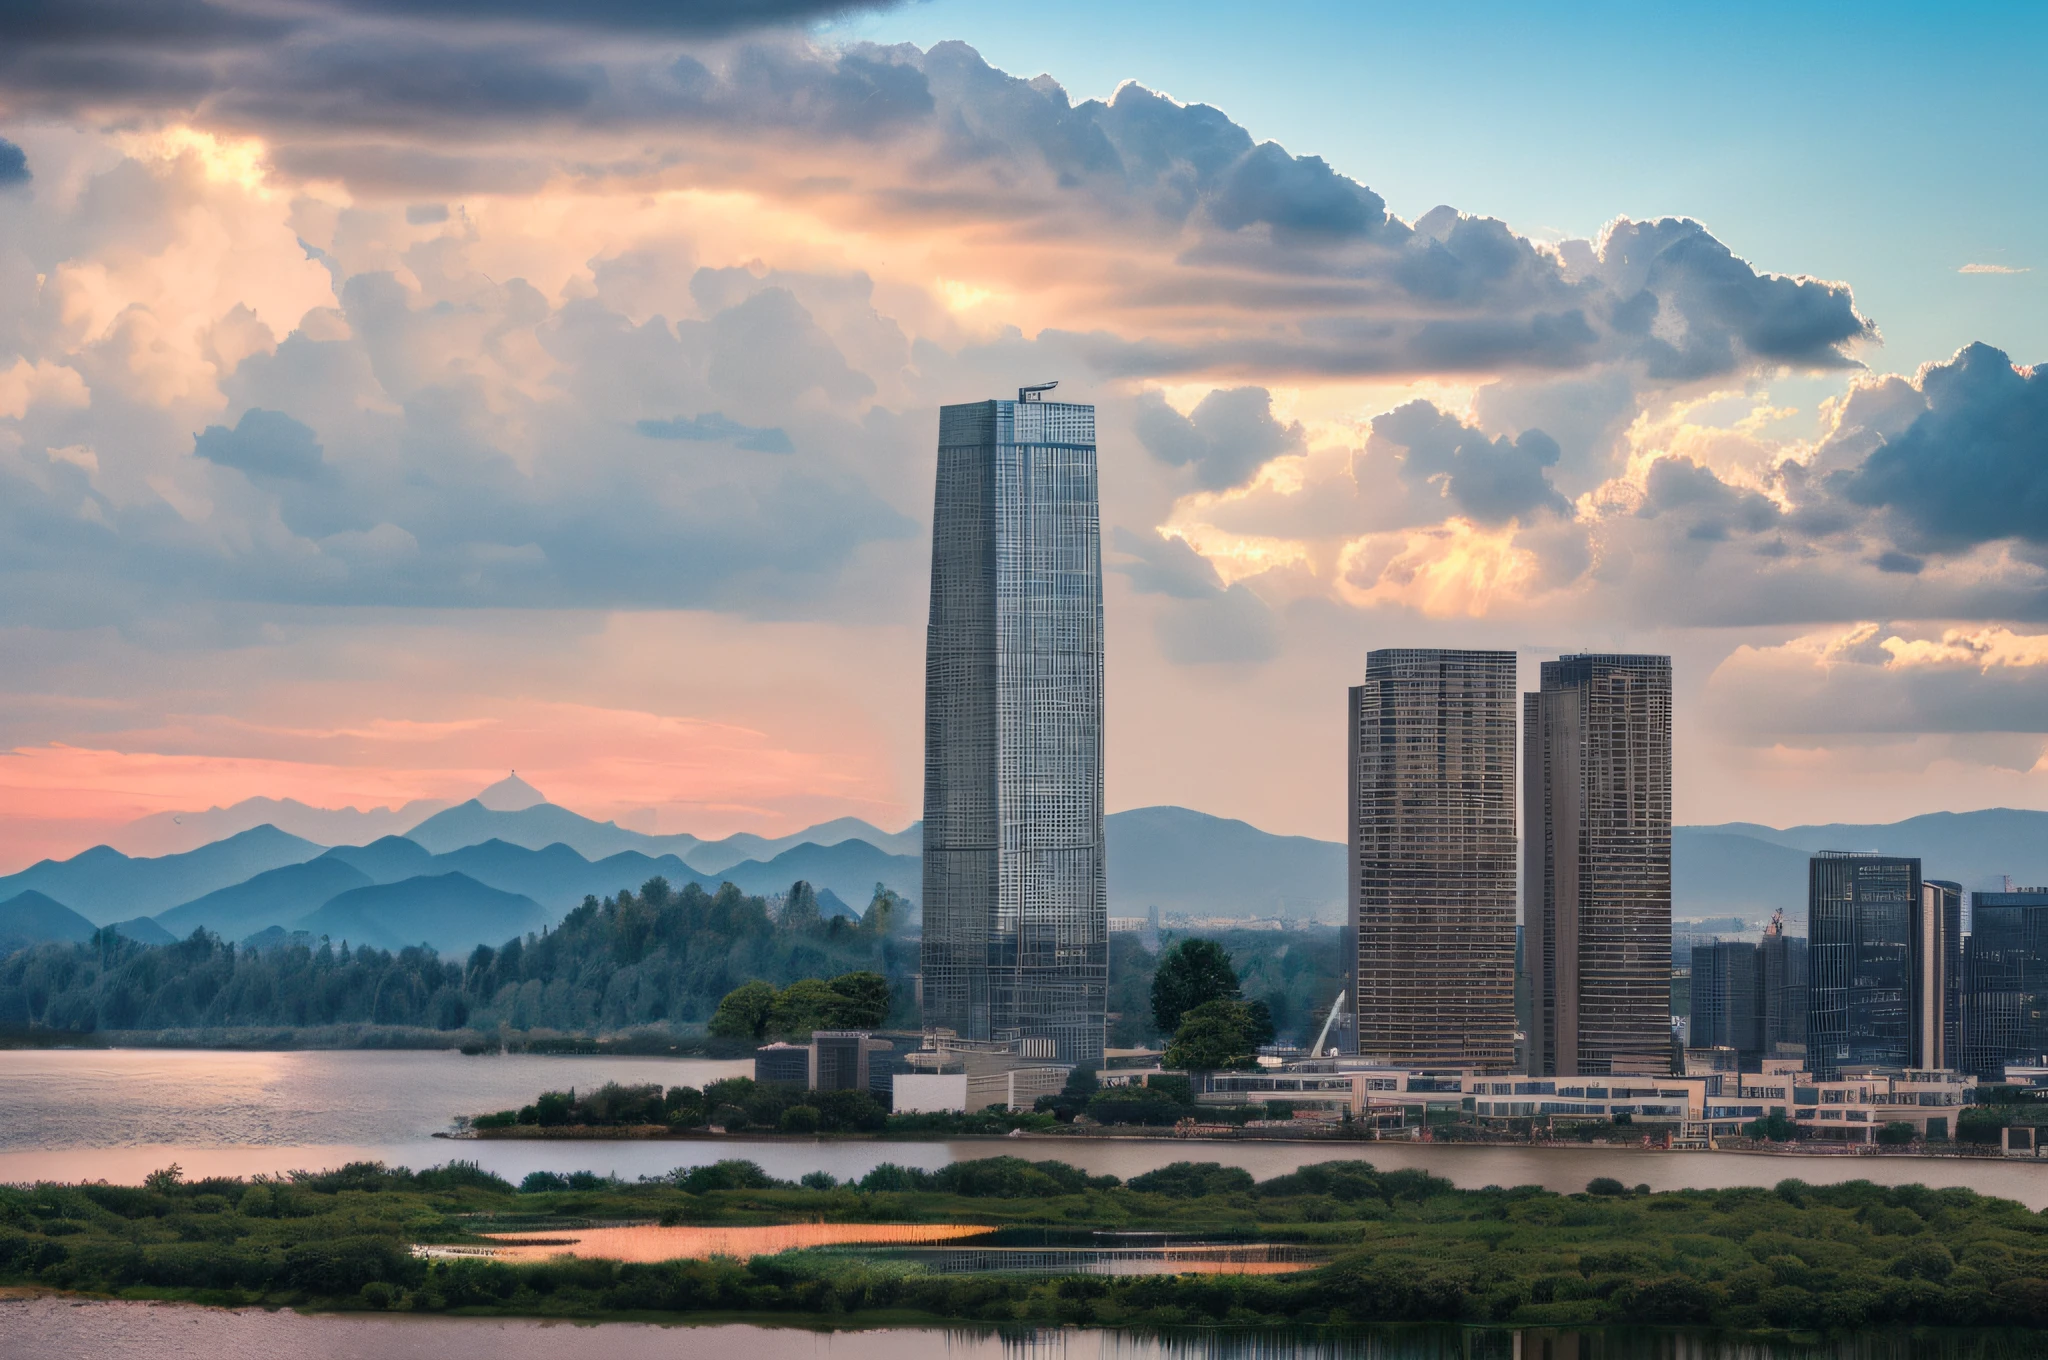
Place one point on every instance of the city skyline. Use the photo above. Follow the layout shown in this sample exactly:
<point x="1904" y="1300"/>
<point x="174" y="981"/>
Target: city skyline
<point x="361" y="438"/>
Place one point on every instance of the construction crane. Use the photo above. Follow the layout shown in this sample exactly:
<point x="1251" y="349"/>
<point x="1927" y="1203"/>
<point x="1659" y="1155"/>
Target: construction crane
<point x="1328" y="1021"/>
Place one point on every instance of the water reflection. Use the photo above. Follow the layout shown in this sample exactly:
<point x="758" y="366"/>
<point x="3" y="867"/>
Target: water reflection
<point x="49" y="1327"/>
<point x="119" y="1114"/>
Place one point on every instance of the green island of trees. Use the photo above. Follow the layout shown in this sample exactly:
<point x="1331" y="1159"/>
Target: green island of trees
<point x="1397" y="1246"/>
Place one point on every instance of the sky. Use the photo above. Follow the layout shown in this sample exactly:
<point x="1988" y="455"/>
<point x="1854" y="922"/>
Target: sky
<point x="392" y="394"/>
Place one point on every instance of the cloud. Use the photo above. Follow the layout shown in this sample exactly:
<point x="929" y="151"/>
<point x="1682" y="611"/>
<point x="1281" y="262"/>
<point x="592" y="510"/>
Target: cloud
<point x="264" y="444"/>
<point x="713" y="427"/>
<point x="1488" y="481"/>
<point x="1994" y="269"/>
<point x="1229" y="435"/>
<point x="1974" y="466"/>
<point x="1202" y="621"/>
<point x="1875" y="680"/>
<point x="13" y="164"/>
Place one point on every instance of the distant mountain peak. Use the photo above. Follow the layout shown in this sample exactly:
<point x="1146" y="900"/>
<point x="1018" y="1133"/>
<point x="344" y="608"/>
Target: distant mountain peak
<point x="511" y="794"/>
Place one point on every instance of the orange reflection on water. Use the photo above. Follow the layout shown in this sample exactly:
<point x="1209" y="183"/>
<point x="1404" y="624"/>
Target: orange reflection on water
<point x="649" y="1243"/>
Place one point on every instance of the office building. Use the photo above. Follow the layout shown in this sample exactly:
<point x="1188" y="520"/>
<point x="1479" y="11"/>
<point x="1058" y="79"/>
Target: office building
<point x="1432" y="857"/>
<point x="2005" y="986"/>
<point x="1727" y="998"/>
<point x="1781" y="962"/>
<point x="1596" y="864"/>
<point x="1016" y="916"/>
<point x="1938" y="976"/>
<point x="1861" y="910"/>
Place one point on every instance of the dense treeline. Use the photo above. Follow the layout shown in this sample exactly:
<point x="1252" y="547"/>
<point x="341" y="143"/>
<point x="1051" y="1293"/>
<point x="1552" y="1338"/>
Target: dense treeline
<point x="1294" y="974"/>
<point x="658" y="957"/>
<point x="1403" y="1246"/>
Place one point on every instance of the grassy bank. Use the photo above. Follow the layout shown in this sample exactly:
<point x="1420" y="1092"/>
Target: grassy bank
<point x="1404" y="1246"/>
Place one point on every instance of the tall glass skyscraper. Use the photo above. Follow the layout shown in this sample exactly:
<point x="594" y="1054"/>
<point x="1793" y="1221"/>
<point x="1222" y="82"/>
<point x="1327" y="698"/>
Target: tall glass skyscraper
<point x="1016" y="904"/>
<point x="1861" y="913"/>
<point x="1433" y="857"/>
<point x="1596" y="865"/>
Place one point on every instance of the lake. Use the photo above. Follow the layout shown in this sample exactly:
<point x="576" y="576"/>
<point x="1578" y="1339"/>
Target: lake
<point x="49" y="1329"/>
<point x="117" y="1114"/>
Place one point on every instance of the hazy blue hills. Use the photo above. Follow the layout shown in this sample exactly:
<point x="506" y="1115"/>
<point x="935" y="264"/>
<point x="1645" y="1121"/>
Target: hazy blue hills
<point x="31" y="918"/>
<point x="1719" y="873"/>
<point x="1190" y="862"/>
<point x="103" y="885"/>
<point x="545" y="824"/>
<point x="387" y="859"/>
<point x="536" y="828"/>
<point x="451" y="912"/>
<point x="1976" y="849"/>
<point x="273" y="897"/>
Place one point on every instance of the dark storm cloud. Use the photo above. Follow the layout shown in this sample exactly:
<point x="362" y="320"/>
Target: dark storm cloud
<point x="1974" y="466"/>
<point x="1230" y="434"/>
<point x="1490" y="480"/>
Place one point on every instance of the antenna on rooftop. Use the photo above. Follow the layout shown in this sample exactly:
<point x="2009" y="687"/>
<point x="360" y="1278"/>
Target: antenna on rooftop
<point x="1036" y="393"/>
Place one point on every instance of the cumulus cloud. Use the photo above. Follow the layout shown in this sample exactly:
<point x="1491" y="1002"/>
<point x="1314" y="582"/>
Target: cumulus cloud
<point x="714" y="427"/>
<point x="1973" y="466"/>
<point x="1202" y="620"/>
<point x="1490" y="481"/>
<point x="1230" y="434"/>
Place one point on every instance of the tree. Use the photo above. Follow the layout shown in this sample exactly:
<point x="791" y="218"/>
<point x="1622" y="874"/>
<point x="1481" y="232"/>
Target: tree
<point x="1190" y="973"/>
<point x="1775" y="1127"/>
<point x="1898" y="1133"/>
<point x="886" y="912"/>
<point x="863" y="1000"/>
<point x="800" y="908"/>
<point x="1219" y="1036"/>
<point x="745" y="1013"/>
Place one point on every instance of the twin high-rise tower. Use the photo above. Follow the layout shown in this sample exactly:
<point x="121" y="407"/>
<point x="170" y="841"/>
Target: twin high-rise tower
<point x="1433" y="843"/>
<point x="1016" y="907"/>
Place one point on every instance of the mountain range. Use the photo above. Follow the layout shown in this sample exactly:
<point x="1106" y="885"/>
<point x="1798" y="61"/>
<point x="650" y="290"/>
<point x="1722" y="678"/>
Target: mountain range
<point x="508" y="861"/>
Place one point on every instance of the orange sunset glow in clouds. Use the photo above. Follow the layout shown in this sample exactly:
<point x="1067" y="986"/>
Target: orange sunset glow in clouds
<point x="367" y="432"/>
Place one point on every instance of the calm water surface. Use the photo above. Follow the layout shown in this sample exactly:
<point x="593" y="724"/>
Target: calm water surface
<point x="118" y="1114"/>
<point x="53" y="1329"/>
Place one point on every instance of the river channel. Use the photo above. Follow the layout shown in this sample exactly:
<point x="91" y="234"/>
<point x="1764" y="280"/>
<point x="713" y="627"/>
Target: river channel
<point x="117" y="1114"/>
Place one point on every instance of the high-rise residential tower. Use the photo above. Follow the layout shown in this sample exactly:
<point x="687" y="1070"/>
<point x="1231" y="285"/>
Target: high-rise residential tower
<point x="1861" y="914"/>
<point x="1016" y="928"/>
<point x="1432" y="823"/>
<point x="1596" y="864"/>
<point x="2005" y="1001"/>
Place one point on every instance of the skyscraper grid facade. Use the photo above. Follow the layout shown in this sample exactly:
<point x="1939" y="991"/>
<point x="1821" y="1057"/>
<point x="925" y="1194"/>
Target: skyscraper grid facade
<point x="1861" y="911"/>
<point x="1016" y="930"/>
<point x="1432" y="857"/>
<point x="2005" y="1001"/>
<point x="1596" y="864"/>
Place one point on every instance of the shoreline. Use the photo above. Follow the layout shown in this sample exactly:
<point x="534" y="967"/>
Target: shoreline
<point x="654" y="1133"/>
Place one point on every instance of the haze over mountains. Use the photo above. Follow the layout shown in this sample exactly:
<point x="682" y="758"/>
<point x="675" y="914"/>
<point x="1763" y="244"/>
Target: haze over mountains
<point x="508" y="862"/>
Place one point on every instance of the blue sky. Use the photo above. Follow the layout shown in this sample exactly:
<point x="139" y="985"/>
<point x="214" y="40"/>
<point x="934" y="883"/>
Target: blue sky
<point x="1883" y="144"/>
